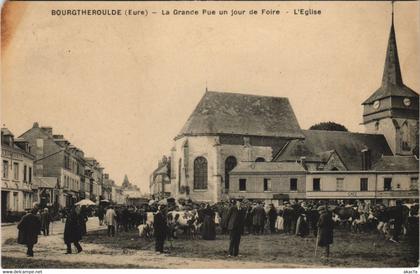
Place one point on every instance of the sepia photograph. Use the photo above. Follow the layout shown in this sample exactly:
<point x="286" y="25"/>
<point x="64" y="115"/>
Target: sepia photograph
<point x="210" y="135"/>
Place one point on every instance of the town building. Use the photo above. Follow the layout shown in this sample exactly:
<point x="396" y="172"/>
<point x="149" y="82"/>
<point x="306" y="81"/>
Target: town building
<point x="17" y="176"/>
<point x="160" y="179"/>
<point x="94" y="175"/>
<point x="117" y="195"/>
<point x="46" y="191"/>
<point x="56" y="157"/>
<point x="247" y="146"/>
<point x="107" y="187"/>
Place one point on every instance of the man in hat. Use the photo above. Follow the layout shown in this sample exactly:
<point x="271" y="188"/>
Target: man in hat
<point x="325" y="229"/>
<point x="236" y="221"/>
<point x="160" y="228"/>
<point x="29" y="228"/>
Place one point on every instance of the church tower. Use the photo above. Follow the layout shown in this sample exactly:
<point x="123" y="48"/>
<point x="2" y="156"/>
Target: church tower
<point x="393" y="109"/>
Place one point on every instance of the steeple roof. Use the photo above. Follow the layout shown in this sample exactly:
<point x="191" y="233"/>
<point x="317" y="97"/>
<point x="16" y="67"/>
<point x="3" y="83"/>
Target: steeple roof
<point x="392" y="83"/>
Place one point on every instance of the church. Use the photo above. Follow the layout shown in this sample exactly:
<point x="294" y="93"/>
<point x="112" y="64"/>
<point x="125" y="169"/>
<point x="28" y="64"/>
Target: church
<point x="246" y="146"/>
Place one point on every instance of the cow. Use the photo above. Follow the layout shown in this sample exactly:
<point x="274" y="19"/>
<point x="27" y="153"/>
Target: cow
<point x="187" y="221"/>
<point x="344" y="216"/>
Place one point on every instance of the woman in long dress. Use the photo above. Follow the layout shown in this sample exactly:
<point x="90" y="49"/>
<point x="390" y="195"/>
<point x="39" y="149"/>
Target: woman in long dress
<point x="209" y="226"/>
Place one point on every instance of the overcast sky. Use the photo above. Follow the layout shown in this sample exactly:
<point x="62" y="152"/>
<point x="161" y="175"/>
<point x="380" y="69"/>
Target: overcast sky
<point x="121" y="88"/>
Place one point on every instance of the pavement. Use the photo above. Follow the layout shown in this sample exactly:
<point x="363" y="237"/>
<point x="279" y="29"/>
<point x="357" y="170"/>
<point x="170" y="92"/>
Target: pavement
<point x="56" y="228"/>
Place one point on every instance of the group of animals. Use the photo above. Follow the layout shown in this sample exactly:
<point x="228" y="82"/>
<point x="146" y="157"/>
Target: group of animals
<point x="346" y="217"/>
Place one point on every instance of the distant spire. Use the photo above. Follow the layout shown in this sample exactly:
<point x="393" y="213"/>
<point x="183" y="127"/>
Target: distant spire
<point x="126" y="182"/>
<point x="206" y="86"/>
<point x="392" y="70"/>
<point x="392" y="3"/>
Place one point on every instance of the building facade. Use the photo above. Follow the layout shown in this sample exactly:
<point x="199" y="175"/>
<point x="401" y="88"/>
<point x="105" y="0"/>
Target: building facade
<point x="17" y="176"/>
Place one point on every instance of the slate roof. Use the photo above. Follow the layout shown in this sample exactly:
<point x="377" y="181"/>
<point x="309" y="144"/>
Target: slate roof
<point x="45" y="182"/>
<point x="397" y="163"/>
<point x="267" y="167"/>
<point x="347" y="145"/>
<point x="234" y="113"/>
<point x="392" y="83"/>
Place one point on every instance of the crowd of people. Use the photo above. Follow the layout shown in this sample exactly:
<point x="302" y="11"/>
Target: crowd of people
<point x="234" y="218"/>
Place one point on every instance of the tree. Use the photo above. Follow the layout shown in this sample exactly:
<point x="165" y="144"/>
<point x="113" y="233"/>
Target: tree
<point x="328" y="126"/>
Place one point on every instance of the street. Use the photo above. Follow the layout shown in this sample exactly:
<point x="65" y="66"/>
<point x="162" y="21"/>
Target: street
<point x="56" y="228"/>
<point x="128" y="250"/>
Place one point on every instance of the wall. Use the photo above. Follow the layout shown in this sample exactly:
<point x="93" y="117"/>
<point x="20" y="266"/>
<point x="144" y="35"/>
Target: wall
<point x="280" y="184"/>
<point x="351" y="185"/>
<point x="216" y="153"/>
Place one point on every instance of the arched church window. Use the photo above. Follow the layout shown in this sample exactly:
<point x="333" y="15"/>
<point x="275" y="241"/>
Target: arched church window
<point x="200" y="173"/>
<point x="405" y="137"/>
<point x="260" y="159"/>
<point x="230" y="163"/>
<point x="377" y="125"/>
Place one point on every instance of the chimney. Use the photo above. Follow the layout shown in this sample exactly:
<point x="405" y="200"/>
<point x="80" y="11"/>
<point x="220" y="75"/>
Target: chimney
<point x="366" y="159"/>
<point x="35" y="125"/>
<point x="48" y="130"/>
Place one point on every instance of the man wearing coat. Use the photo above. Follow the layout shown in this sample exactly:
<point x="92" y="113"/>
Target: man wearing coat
<point x="235" y="221"/>
<point x="325" y="226"/>
<point x="72" y="231"/>
<point x="159" y="225"/>
<point x="29" y="228"/>
<point x="272" y="215"/>
<point x="259" y="217"/>
<point x="45" y="222"/>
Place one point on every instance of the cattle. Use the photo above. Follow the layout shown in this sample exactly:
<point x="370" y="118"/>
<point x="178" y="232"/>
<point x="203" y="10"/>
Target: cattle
<point x="344" y="216"/>
<point x="187" y="221"/>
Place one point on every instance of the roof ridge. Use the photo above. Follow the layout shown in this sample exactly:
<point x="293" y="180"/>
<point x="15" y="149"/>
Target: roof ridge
<point x="341" y="132"/>
<point x="246" y="94"/>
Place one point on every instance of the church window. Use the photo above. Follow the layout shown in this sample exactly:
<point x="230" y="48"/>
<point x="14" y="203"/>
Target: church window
<point x="230" y="163"/>
<point x="260" y="159"/>
<point x="405" y="137"/>
<point x="377" y="125"/>
<point x="200" y="173"/>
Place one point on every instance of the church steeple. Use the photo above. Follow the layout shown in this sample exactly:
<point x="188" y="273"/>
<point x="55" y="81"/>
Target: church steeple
<point x="393" y="109"/>
<point x="392" y="70"/>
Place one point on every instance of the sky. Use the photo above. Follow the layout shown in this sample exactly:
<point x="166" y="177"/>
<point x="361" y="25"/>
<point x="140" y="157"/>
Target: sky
<point x="121" y="88"/>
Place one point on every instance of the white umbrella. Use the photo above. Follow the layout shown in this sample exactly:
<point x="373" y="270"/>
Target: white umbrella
<point x="85" y="202"/>
<point x="105" y="201"/>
